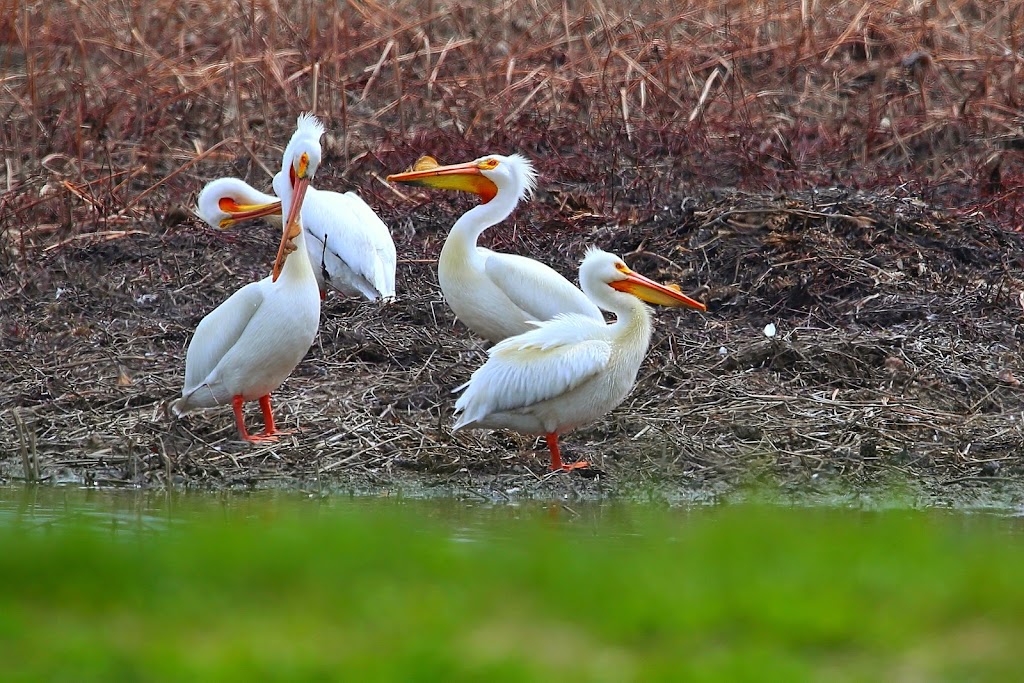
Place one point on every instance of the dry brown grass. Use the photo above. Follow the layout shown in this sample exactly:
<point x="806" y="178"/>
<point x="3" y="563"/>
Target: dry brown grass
<point x="115" y="114"/>
<point x="113" y="111"/>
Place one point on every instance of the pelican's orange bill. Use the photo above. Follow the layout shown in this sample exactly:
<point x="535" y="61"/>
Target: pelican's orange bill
<point x="291" y="226"/>
<point x="240" y="212"/>
<point x="243" y="212"/>
<point x="650" y="291"/>
<point x="466" y="177"/>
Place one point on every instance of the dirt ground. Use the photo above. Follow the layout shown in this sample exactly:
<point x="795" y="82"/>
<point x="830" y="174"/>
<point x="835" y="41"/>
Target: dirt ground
<point x="896" y="355"/>
<point x="859" y="190"/>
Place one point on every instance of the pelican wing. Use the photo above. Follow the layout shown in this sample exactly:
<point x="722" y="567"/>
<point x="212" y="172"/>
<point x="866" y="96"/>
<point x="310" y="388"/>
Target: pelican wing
<point x="218" y="332"/>
<point x="380" y="238"/>
<point x="354" y="236"/>
<point x="537" y="289"/>
<point x="535" y="366"/>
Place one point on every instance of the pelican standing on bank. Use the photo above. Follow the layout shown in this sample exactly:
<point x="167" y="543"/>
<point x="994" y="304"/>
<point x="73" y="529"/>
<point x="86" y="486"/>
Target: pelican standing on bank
<point x="349" y="246"/>
<point x="246" y="347"/>
<point x="572" y="369"/>
<point x="495" y="295"/>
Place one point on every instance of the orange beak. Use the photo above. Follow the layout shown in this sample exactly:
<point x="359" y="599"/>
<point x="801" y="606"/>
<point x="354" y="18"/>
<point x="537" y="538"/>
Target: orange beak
<point x="243" y="212"/>
<point x="292" y="226"/>
<point x="650" y="291"/>
<point x="465" y="177"/>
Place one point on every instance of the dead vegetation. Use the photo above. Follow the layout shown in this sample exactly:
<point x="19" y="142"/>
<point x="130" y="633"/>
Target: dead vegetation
<point x="872" y="154"/>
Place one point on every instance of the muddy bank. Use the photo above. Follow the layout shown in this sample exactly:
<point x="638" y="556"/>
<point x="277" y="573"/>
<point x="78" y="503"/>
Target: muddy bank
<point x="895" y="298"/>
<point x="896" y="355"/>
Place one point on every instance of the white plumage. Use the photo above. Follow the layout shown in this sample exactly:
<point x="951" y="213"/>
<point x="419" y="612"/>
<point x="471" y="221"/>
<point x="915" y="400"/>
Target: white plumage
<point x="246" y="347"/>
<point x="572" y="369"/>
<point x="350" y="247"/>
<point x="495" y="295"/>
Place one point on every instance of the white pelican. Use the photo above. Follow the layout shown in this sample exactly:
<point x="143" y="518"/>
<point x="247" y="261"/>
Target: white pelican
<point x="495" y="295"/>
<point x="246" y="347"/>
<point x="572" y="369"/>
<point x="349" y="246"/>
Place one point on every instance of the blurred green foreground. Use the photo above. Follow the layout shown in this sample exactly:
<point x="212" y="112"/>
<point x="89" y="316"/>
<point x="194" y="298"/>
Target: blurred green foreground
<point x="292" y="589"/>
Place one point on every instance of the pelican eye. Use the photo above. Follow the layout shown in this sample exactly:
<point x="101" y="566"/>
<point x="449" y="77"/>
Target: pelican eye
<point x="303" y="165"/>
<point x="488" y="164"/>
<point x="621" y="267"/>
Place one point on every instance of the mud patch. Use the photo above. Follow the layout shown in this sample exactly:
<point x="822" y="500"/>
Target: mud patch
<point x="896" y="353"/>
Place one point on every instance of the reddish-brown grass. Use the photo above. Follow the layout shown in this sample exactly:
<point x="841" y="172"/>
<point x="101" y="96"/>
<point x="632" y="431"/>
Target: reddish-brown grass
<point x="109" y="107"/>
<point x="898" y="322"/>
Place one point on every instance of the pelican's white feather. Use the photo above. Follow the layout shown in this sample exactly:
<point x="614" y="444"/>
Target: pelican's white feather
<point x="523" y="168"/>
<point x="308" y="124"/>
<point x="360" y="257"/>
<point x="536" y="289"/>
<point x="208" y="204"/>
<point x="572" y="369"/>
<point x="246" y="347"/>
<point x="496" y="294"/>
<point x="542" y="364"/>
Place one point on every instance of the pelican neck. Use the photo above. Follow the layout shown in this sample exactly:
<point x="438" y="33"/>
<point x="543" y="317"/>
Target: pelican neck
<point x="472" y="224"/>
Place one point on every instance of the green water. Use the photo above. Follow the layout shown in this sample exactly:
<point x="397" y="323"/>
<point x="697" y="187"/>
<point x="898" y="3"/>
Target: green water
<point x="153" y="586"/>
<point x="134" y="510"/>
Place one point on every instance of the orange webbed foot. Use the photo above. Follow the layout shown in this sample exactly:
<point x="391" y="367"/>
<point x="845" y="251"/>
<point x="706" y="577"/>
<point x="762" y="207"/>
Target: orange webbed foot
<point x="260" y="438"/>
<point x="270" y="435"/>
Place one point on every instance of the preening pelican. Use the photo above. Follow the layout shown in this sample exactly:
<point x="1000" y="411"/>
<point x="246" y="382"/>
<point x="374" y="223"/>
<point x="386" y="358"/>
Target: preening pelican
<point x="246" y="347"/>
<point x="349" y="246"/>
<point x="495" y="295"/>
<point x="572" y="369"/>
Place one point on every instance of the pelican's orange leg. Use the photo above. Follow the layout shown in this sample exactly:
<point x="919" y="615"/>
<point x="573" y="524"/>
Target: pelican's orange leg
<point x="236" y="404"/>
<point x="270" y="432"/>
<point x="556" y="455"/>
<point x="268" y="415"/>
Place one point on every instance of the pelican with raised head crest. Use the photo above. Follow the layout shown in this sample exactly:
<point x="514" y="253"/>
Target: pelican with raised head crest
<point x="246" y="347"/>
<point x="572" y="369"/>
<point x="495" y="295"/>
<point x="349" y="246"/>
